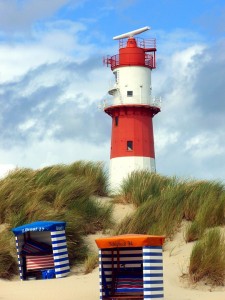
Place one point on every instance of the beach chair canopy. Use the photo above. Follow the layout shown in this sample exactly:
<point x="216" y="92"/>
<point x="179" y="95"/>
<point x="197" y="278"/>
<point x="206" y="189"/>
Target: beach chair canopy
<point x="40" y="226"/>
<point x="130" y="240"/>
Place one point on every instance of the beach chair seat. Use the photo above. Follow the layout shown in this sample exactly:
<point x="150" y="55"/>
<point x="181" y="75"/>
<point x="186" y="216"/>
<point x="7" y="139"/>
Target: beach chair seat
<point x="127" y="284"/>
<point x="39" y="262"/>
<point x="37" y="256"/>
<point x="128" y="281"/>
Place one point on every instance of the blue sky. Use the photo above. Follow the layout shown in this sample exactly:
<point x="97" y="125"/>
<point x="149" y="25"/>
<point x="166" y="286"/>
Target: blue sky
<point x="52" y="81"/>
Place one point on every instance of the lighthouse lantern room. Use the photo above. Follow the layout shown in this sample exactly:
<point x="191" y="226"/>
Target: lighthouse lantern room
<point x="133" y="107"/>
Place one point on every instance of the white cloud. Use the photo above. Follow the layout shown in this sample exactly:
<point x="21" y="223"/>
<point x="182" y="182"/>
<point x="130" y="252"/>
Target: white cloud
<point x="165" y="138"/>
<point x="28" y="124"/>
<point x="5" y="169"/>
<point x="50" y="43"/>
<point x="176" y="40"/>
<point x="19" y="15"/>
<point x="204" y="146"/>
<point x="39" y="154"/>
<point x="189" y="139"/>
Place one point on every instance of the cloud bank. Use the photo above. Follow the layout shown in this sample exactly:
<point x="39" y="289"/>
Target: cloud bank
<point x="52" y="82"/>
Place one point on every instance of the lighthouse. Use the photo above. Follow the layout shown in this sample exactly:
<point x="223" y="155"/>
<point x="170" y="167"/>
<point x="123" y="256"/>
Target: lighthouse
<point x="132" y="107"/>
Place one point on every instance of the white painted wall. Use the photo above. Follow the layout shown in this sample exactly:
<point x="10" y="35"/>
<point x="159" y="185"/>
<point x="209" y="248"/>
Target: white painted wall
<point x="131" y="78"/>
<point x="120" y="167"/>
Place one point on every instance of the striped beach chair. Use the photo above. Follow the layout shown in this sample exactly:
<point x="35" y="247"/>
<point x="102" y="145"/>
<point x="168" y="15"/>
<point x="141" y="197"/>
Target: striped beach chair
<point x="42" y="250"/>
<point x="131" y="267"/>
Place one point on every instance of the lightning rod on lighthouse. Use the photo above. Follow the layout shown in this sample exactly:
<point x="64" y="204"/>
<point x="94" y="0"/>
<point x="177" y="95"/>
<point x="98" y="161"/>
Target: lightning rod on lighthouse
<point x="133" y="107"/>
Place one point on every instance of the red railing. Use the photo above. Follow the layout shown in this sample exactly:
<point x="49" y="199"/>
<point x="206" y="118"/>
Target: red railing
<point x="149" y="45"/>
<point x="141" y="43"/>
<point x="114" y="61"/>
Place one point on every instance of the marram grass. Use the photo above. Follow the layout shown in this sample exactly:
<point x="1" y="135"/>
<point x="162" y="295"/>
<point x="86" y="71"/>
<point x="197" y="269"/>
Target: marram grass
<point x="207" y="259"/>
<point x="141" y="186"/>
<point x="210" y="213"/>
<point x="8" y="263"/>
<point x="60" y="192"/>
<point x="90" y="263"/>
<point x="162" y="203"/>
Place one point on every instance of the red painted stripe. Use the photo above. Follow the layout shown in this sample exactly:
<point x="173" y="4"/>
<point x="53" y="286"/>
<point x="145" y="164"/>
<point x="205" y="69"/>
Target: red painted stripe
<point x="134" y="124"/>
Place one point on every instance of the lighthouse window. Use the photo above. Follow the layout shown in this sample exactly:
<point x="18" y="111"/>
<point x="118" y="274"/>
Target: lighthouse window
<point x="129" y="93"/>
<point x="116" y="120"/>
<point x="116" y="77"/>
<point x="129" y="145"/>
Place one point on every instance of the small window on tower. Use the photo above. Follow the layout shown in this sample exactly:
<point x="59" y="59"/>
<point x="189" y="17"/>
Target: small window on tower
<point x="130" y="145"/>
<point x="116" y="121"/>
<point x="129" y="93"/>
<point x="116" y="77"/>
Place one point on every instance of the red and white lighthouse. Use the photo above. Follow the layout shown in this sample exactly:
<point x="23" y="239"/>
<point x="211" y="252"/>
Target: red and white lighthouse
<point x="133" y="107"/>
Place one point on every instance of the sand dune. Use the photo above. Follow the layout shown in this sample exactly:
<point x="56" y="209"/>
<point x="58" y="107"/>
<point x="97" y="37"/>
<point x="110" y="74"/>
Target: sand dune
<point x="79" y="286"/>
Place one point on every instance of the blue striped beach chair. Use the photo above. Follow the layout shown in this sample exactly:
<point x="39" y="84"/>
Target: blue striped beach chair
<point x="42" y="250"/>
<point x="131" y="267"/>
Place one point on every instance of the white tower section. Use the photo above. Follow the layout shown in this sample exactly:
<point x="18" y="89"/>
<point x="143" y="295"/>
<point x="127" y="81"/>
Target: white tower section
<point x="132" y="86"/>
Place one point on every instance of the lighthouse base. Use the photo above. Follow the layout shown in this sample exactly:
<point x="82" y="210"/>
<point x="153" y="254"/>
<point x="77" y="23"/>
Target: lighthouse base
<point x="121" y="167"/>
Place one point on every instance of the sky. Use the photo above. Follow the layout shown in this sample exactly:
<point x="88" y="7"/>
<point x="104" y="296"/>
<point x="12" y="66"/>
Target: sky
<point x="53" y="81"/>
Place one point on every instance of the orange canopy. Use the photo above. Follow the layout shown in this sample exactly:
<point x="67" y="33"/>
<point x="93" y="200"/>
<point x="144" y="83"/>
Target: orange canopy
<point x="130" y="240"/>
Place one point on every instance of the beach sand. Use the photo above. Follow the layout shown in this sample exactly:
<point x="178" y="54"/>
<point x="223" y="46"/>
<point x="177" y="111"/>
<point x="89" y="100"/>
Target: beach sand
<point x="80" y="287"/>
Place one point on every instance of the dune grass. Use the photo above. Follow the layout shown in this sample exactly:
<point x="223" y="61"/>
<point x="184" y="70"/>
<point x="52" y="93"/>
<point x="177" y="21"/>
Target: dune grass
<point x="160" y="215"/>
<point x="90" y="263"/>
<point x="210" y="213"/>
<point x="163" y="202"/>
<point x="60" y="192"/>
<point x="8" y="263"/>
<point x="94" y="172"/>
<point x="141" y="186"/>
<point x="207" y="260"/>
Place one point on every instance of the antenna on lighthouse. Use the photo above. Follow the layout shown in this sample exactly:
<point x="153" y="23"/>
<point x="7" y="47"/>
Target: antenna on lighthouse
<point x="131" y="33"/>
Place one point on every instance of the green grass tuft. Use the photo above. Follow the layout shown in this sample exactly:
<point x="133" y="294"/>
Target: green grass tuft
<point x="162" y="203"/>
<point x="141" y="186"/>
<point x="207" y="259"/>
<point x="8" y="261"/>
<point x="90" y="263"/>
